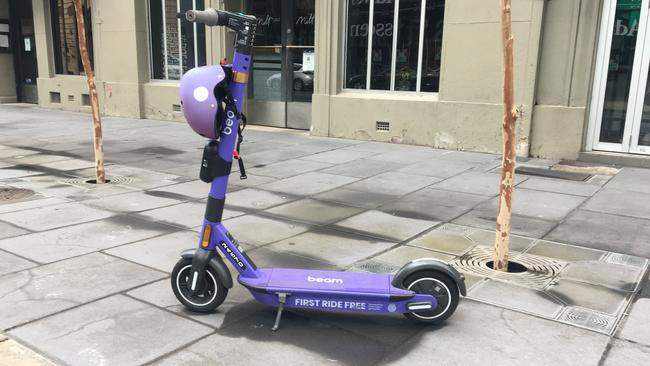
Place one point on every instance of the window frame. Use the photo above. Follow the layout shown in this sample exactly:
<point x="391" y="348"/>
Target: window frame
<point x="371" y="32"/>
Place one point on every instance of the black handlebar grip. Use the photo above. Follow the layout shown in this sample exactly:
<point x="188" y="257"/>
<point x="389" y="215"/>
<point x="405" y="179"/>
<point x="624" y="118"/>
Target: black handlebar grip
<point x="209" y="17"/>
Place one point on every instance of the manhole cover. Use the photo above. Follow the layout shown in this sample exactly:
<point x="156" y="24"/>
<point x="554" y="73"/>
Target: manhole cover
<point x="588" y="319"/>
<point x="12" y="194"/>
<point x="540" y="270"/>
<point x="84" y="181"/>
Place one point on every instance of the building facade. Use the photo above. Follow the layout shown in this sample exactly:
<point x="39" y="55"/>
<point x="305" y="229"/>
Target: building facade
<point x="426" y="72"/>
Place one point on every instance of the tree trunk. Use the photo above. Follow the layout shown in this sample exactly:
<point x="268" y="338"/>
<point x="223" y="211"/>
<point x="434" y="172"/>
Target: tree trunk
<point x="92" y="92"/>
<point x="502" y="242"/>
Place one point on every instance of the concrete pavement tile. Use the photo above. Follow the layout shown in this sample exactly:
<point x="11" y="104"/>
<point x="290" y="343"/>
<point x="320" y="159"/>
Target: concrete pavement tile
<point x="50" y="217"/>
<point x="256" y="199"/>
<point x="48" y="289"/>
<point x="485" y="237"/>
<point x="16" y="171"/>
<point x="564" y="252"/>
<point x="256" y="230"/>
<point x="25" y="205"/>
<point x="588" y="296"/>
<point x="239" y="304"/>
<point x="618" y="202"/>
<point x="285" y="169"/>
<point x="331" y="246"/>
<point x="394" y="183"/>
<point x="362" y="168"/>
<point x="560" y="186"/>
<point x="400" y="256"/>
<point x="131" y="202"/>
<point x="433" y="204"/>
<point x="357" y="198"/>
<point x="439" y="168"/>
<point x="539" y="205"/>
<point x="636" y="326"/>
<point x="301" y="341"/>
<point x="36" y="158"/>
<point x="117" y="330"/>
<point x="15" y="354"/>
<point x="381" y="224"/>
<point x="69" y="164"/>
<point x="8" y="230"/>
<point x="517" y="298"/>
<point x="606" y="232"/>
<point x="161" y="252"/>
<point x="184" y="215"/>
<point x="614" y="276"/>
<point x="627" y="353"/>
<point x="478" y="335"/>
<point x="450" y="243"/>
<point x="408" y="154"/>
<point x="313" y="211"/>
<point x="631" y="179"/>
<point x="71" y="241"/>
<point x="9" y="152"/>
<point x="10" y="263"/>
<point x="486" y="184"/>
<point x="338" y="156"/>
<point x="309" y="183"/>
<point x="252" y="180"/>
<point x="253" y="158"/>
<point x="485" y="218"/>
<point x="265" y="258"/>
<point x="194" y="189"/>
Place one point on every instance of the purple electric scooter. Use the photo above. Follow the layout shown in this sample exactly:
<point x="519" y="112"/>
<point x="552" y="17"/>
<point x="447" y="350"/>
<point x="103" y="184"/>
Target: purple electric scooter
<point x="426" y="290"/>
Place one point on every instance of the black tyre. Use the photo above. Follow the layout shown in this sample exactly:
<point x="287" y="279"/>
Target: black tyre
<point x="208" y="299"/>
<point x="438" y="285"/>
<point x="298" y="85"/>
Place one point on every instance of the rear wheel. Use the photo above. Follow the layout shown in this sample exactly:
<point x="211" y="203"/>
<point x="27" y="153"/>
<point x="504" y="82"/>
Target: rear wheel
<point x="441" y="287"/>
<point x="206" y="299"/>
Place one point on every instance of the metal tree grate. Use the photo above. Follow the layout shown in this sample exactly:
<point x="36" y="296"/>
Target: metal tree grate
<point x="83" y="181"/>
<point x="540" y="270"/>
<point x="588" y="319"/>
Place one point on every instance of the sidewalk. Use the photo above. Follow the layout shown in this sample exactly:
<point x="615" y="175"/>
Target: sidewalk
<point x="84" y="269"/>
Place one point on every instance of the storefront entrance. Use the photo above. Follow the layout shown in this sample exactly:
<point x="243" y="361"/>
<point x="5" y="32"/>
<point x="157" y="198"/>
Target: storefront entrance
<point x="282" y="81"/>
<point x="22" y="31"/>
<point x="620" y="111"/>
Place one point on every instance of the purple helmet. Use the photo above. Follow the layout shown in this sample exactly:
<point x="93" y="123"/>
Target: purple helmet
<point x="200" y="106"/>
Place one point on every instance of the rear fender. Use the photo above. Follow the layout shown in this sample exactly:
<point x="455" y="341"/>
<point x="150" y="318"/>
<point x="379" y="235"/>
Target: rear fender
<point x="429" y="264"/>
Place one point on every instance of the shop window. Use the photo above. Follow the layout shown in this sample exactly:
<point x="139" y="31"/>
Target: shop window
<point x="176" y="46"/>
<point x="67" y="56"/>
<point x="394" y="44"/>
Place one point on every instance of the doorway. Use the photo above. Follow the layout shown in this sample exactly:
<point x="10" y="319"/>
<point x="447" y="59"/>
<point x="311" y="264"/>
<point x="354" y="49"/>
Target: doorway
<point x="620" y="113"/>
<point x="22" y="30"/>
<point x="282" y="78"/>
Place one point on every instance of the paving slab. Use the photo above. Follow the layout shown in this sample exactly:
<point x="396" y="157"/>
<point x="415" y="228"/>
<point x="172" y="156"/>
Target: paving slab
<point x="564" y="252"/>
<point x="314" y="211"/>
<point x="619" y="202"/>
<point x="46" y="290"/>
<point x="596" y="230"/>
<point x="439" y="241"/>
<point x="631" y="179"/>
<point x="636" y="326"/>
<point x="116" y="330"/>
<point x="614" y="276"/>
<point x="627" y="353"/>
<point x="485" y="237"/>
<point x="357" y="198"/>
<point x="439" y="168"/>
<point x="131" y="202"/>
<point x="252" y="180"/>
<point x="539" y="205"/>
<point x="409" y="155"/>
<point x="384" y="225"/>
<point x="515" y="297"/>
<point x="394" y="183"/>
<point x="362" y="168"/>
<point x="514" y="339"/>
<point x="266" y="257"/>
<point x="7" y="230"/>
<point x="194" y="189"/>
<point x="15" y="354"/>
<point x="72" y="241"/>
<point x="16" y="171"/>
<point x="402" y="255"/>
<point x="588" y="296"/>
<point x="309" y="183"/>
<point x="473" y="182"/>
<point x="10" y="263"/>
<point x="433" y="204"/>
<point x="339" y="156"/>
<point x="331" y="246"/>
<point x="50" y="217"/>
<point x="256" y="199"/>
<point x="256" y="230"/>
<point x="161" y="252"/>
<point x="290" y="168"/>
<point x="560" y="186"/>
<point x="69" y="164"/>
<point x="485" y="218"/>
<point x="301" y="341"/>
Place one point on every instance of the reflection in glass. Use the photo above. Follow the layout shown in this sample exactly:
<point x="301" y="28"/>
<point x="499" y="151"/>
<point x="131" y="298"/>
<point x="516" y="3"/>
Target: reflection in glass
<point x="302" y="83"/>
<point x="382" y="45"/>
<point x="67" y="57"/>
<point x="408" y="36"/>
<point x="357" y="44"/>
<point x="267" y="74"/>
<point x="432" y="48"/>
<point x="269" y="29"/>
<point x="619" y="76"/>
<point x="644" y="131"/>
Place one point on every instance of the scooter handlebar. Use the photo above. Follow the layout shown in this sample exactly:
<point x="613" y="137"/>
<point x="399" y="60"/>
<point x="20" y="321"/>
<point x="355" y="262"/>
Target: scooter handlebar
<point x="209" y="17"/>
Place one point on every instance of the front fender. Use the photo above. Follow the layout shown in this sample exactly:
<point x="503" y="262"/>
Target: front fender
<point x="429" y="265"/>
<point x="217" y="264"/>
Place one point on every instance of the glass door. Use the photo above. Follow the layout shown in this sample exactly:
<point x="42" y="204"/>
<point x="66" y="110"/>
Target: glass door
<point x="282" y="78"/>
<point x="620" y="119"/>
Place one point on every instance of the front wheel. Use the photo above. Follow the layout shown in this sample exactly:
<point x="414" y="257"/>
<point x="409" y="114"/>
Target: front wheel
<point x="441" y="287"/>
<point x="208" y="298"/>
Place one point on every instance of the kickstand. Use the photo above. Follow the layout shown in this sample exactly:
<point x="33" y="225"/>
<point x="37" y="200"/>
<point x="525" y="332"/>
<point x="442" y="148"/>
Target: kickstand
<point x="282" y="298"/>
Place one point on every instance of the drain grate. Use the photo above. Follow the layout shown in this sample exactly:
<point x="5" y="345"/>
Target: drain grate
<point x="588" y="319"/>
<point x="626" y="260"/>
<point x="12" y="193"/>
<point x="82" y="181"/>
<point x="540" y="270"/>
<point x="374" y="266"/>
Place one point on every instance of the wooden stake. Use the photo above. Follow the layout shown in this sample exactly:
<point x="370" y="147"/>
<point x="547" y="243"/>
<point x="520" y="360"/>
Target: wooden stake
<point x="92" y="92"/>
<point x="504" y="215"/>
